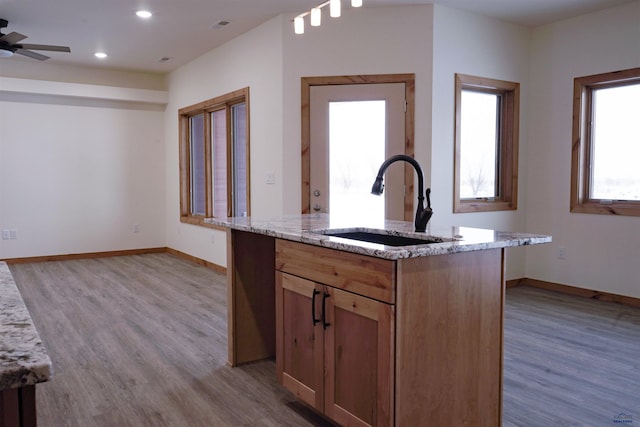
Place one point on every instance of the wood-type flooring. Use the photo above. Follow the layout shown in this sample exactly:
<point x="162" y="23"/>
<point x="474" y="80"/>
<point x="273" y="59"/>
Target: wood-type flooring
<point x="141" y="341"/>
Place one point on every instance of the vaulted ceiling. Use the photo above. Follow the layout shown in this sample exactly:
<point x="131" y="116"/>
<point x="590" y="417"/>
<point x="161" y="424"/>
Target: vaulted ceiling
<point x="180" y="31"/>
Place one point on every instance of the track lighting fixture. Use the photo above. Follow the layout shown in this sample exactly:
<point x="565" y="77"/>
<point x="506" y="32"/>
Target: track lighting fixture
<point x="298" y="25"/>
<point x="315" y="14"/>
<point x="316" y="17"/>
<point x="335" y="8"/>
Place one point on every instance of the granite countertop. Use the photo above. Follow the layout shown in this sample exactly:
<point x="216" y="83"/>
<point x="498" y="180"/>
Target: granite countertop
<point x="309" y="228"/>
<point x="23" y="358"/>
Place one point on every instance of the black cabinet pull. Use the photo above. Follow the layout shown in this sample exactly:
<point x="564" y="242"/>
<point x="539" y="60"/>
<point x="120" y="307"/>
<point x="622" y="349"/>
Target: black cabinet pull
<point x="325" y="324"/>
<point x="313" y="307"/>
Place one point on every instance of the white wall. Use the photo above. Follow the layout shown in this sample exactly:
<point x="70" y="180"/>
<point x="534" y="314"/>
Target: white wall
<point x="271" y="60"/>
<point x="252" y="60"/>
<point x="363" y="41"/>
<point x="472" y="44"/>
<point x="602" y="252"/>
<point x="76" y="174"/>
<point x="27" y="68"/>
<point x="78" y="177"/>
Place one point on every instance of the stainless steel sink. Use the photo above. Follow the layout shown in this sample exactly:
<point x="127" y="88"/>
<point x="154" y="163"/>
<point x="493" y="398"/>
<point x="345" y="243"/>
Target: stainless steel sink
<point x="382" y="237"/>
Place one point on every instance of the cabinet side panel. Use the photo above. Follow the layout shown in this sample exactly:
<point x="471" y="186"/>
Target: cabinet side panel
<point x="449" y="339"/>
<point x="279" y="327"/>
<point x="251" y="297"/>
<point x="386" y="365"/>
<point x="9" y="407"/>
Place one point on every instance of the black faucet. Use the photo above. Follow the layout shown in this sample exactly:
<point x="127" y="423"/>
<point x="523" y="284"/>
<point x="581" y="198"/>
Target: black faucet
<point x="422" y="215"/>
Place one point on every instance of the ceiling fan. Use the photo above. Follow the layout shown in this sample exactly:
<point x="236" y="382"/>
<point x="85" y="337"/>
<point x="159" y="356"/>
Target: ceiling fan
<point x="9" y="44"/>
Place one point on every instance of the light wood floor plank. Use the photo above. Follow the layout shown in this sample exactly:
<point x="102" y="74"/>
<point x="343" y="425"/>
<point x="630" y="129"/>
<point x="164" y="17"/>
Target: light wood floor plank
<point x="141" y="341"/>
<point x="569" y="361"/>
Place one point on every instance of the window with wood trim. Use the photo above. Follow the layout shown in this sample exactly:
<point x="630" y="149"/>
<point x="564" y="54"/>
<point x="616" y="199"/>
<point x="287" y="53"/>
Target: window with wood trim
<point x="486" y="144"/>
<point x="214" y="158"/>
<point x="605" y="177"/>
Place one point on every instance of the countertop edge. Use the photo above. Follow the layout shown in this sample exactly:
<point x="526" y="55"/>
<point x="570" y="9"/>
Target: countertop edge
<point x="23" y="358"/>
<point x="304" y="234"/>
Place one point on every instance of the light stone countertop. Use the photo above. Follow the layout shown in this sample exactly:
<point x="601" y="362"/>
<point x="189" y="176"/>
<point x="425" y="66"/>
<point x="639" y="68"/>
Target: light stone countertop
<point x="23" y="358"/>
<point x="308" y="229"/>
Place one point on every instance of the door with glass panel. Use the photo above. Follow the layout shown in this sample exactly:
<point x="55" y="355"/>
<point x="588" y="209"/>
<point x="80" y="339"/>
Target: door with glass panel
<point x="353" y="129"/>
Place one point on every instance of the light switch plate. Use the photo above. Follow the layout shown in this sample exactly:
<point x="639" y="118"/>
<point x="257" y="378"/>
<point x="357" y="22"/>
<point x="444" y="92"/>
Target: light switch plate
<point x="271" y="177"/>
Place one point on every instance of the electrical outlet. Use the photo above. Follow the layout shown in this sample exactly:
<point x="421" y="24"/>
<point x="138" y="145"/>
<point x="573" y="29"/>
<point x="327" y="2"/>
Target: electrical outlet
<point x="213" y="237"/>
<point x="6" y="235"/>
<point x="562" y="252"/>
<point x="136" y="228"/>
<point x="13" y="234"/>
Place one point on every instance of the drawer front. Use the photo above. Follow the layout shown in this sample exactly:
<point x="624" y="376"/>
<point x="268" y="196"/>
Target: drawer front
<point x="364" y="275"/>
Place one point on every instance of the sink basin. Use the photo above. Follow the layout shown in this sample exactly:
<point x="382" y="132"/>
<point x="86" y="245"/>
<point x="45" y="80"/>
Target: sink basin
<point x="382" y="237"/>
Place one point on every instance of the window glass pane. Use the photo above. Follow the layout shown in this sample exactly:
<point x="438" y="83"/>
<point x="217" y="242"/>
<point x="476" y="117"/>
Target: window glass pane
<point x="219" y="162"/>
<point x="197" y="165"/>
<point x="357" y="131"/>
<point x="478" y="144"/>
<point x="239" y="141"/>
<point x="616" y="143"/>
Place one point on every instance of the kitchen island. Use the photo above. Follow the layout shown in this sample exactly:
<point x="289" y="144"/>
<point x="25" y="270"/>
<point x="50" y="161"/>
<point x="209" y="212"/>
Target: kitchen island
<point x="370" y="333"/>
<point x="23" y="359"/>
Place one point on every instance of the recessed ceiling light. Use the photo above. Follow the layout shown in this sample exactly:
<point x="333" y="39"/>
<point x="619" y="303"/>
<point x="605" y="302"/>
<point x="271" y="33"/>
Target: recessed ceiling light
<point x="100" y="55"/>
<point x="145" y="14"/>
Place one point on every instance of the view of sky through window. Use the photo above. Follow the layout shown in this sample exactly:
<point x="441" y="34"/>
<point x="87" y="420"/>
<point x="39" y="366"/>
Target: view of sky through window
<point x="357" y="132"/>
<point x="616" y="143"/>
<point x="478" y="145"/>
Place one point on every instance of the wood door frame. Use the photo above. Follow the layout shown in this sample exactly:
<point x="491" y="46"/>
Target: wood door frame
<point x="409" y="92"/>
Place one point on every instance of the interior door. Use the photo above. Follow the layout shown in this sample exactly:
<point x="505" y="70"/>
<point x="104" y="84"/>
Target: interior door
<point x="353" y="129"/>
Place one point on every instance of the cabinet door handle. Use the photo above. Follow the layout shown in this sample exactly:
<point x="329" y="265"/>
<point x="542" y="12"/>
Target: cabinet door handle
<point x="325" y="324"/>
<point x="313" y="307"/>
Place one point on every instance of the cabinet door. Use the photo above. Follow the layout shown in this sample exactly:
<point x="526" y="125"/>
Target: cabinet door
<point x="299" y="344"/>
<point x="358" y="359"/>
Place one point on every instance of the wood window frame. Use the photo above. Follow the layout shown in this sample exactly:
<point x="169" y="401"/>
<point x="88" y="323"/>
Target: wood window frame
<point x="409" y="124"/>
<point x="581" y="144"/>
<point x="184" y="114"/>
<point x="508" y="128"/>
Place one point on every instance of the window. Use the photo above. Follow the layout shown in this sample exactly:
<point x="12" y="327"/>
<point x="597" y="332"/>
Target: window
<point x="605" y="178"/>
<point x="214" y="160"/>
<point x="486" y="144"/>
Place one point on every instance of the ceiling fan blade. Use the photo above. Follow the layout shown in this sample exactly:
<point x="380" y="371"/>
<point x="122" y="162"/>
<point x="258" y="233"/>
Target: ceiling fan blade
<point x="12" y="38"/>
<point x="45" y="47"/>
<point x="31" y="54"/>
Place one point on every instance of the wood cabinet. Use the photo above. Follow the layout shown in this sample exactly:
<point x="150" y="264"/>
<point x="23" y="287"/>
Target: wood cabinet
<point x="414" y="341"/>
<point x="299" y="339"/>
<point x="18" y="407"/>
<point x="335" y="332"/>
<point x="334" y="350"/>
